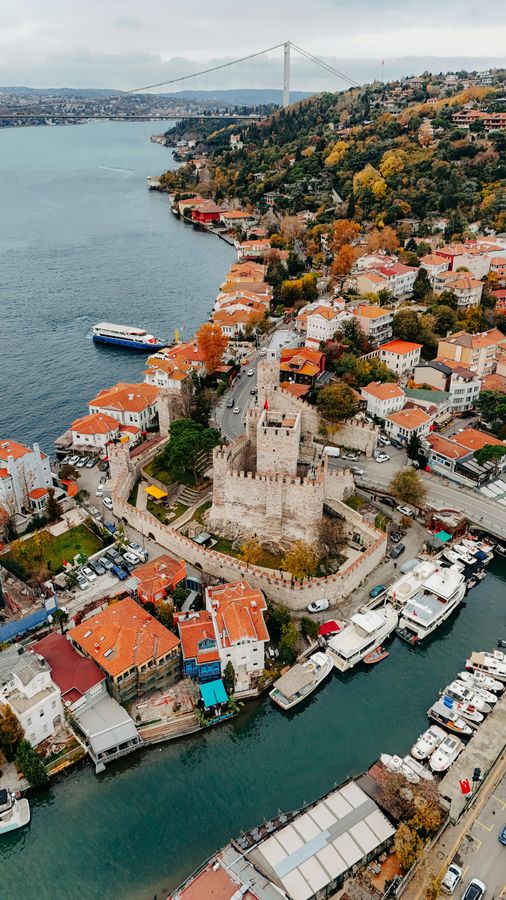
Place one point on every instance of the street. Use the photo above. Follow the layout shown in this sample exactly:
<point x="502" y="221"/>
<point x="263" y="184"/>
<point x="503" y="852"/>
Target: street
<point x="232" y="424"/>
<point x="480" y="854"/>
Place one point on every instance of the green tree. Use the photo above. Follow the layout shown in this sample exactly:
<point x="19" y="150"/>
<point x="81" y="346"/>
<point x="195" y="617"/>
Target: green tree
<point x="408" y="487"/>
<point x="336" y="402"/>
<point x="60" y="617"/>
<point x="492" y="406"/>
<point x="309" y="627"/>
<point x="279" y="615"/>
<point x="422" y="288"/>
<point x="414" y="447"/>
<point x="288" y="642"/>
<point x="353" y="336"/>
<point x="229" y="677"/>
<point x="407" y="326"/>
<point x="68" y="471"/>
<point x="30" y="764"/>
<point x="54" y="509"/>
<point x="490" y="453"/>
<point x="11" y="731"/>
<point x="445" y="319"/>
<point x="179" y="595"/>
<point x="188" y="439"/>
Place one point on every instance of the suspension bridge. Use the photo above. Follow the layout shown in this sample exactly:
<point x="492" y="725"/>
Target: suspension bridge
<point x="288" y="48"/>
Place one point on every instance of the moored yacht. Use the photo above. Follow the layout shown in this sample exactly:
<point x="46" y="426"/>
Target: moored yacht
<point x="367" y="630"/>
<point x="126" y="336"/>
<point x="449" y="719"/>
<point x="14" y="812"/>
<point x="442" y="592"/>
<point x="446" y="754"/>
<point x="396" y="764"/>
<point x="301" y="680"/>
<point x="409" y="584"/>
<point x="482" y="550"/>
<point x="468" y="712"/>
<point x="493" y="664"/>
<point x="427" y="742"/>
<point x="480" y="698"/>
<point x="480" y="680"/>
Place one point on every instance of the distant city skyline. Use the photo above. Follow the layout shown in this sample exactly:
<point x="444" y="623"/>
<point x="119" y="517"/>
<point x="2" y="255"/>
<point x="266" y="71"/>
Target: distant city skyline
<point x="120" y="45"/>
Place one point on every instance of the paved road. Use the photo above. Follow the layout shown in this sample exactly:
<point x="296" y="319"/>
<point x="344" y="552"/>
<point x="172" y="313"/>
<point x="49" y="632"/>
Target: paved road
<point x="480" y="854"/>
<point x="232" y="424"/>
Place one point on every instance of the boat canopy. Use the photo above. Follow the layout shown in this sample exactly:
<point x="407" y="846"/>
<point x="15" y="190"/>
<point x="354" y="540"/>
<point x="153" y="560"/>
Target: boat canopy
<point x="294" y="681"/>
<point x="330" y="627"/>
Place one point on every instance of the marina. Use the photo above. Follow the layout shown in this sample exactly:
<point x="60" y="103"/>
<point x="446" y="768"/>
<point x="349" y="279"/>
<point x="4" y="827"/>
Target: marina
<point x="442" y="592"/>
<point x="366" y="631"/>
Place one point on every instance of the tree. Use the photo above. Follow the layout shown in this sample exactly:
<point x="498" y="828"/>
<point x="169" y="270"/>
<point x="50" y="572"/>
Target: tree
<point x="386" y="239"/>
<point x="343" y="261"/>
<point x="11" y="731"/>
<point x="408" y="487"/>
<point x="414" y="447"/>
<point x="309" y="627"/>
<point x="301" y="560"/>
<point x="492" y="406"/>
<point x="67" y="471"/>
<point x="407" y="326"/>
<point x="291" y="292"/>
<point x="54" y="509"/>
<point x="165" y="613"/>
<point x="408" y="846"/>
<point x="288" y="642"/>
<point x="427" y="817"/>
<point x="30" y="764"/>
<point x="353" y="336"/>
<point x="251" y="552"/>
<point x="332" y="535"/>
<point x="490" y="453"/>
<point x="336" y="402"/>
<point x="212" y="344"/>
<point x="120" y="535"/>
<point x="179" y="595"/>
<point x="343" y="232"/>
<point x="229" y="677"/>
<point x="60" y="617"/>
<point x="422" y="287"/>
<point x="445" y="319"/>
<point x="188" y="440"/>
<point x="309" y="290"/>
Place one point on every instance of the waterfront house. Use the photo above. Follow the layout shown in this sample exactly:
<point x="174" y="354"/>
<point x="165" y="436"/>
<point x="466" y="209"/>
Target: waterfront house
<point x="206" y="213"/>
<point x="188" y="354"/>
<point x="400" y="356"/>
<point x="173" y="374"/>
<point x="407" y="422"/>
<point x="157" y="578"/>
<point x="462" y="385"/>
<point x="25" y="476"/>
<point x="238" y="218"/>
<point x="477" y="352"/>
<point x="242" y="299"/>
<point x="474" y="440"/>
<point x="376" y="323"/>
<point x="383" y="398"/>
<point x="94" y="431"/>
<point x="199" y="646"/>
<point x="130" y="404"/>
<point x="246" y="271"/>
<point x="78" y="678"/>
<point x="186" y="205"/>
<point x="255" y="250"/>
<point x="135" y="651"/>
<point x="27" y="687"/>
<point x="237" y="611"/>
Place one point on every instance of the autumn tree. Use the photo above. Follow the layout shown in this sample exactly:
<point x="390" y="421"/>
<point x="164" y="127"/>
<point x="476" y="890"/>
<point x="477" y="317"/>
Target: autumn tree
<point x="336" y="402"/>
<point x="343" y="232"/>
<point x="408" y="846"/>
<point x="11" y="731"/>
<point x="343" y="261"/>
<point x="212" y="344"/>
<point x="251" y="552"/>
<point x="386" y="239"/>
<point x="331" y="536"/>
<point x="291" y="292"/>
<point x="301" y="560"/>
<point x="408" y="487"/>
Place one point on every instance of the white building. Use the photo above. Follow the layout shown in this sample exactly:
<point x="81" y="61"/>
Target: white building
<point x="383" y="398"/>
<point x="166" y="373"/>
<point x="25" y="476"/>
<point x="26" y="686"/>
<point x="462" y="385"/>
<point x="400" y="356"/>
<point x="404" y="424"/>
<point x="323" y="323"/>
<point x="94" y="431"/>
<point x="237" y="612"/>
<point x="129" y="404"/>
<point x="434" y="265"/>
<point x="375" y="322"/>
<point x="468" y="290"/>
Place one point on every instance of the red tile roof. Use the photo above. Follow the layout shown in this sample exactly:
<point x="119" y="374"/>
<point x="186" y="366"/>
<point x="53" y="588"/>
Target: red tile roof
<point x="161" y="574"/>
<point x="74" y="674"/>
<point x="445" y="447"/>
<point x="400" y="347"/>
<point x="95" y="423"/>
<point x="239" y="612"/>
<point x="475" y="440"/>
<point x="383" y="390"/>
<point x="409" y="418"/>
<point x="126" y="397"/>
<point x="192" y="632"/>
<point x="37" y="493"/>
<point x="12" y="448"/>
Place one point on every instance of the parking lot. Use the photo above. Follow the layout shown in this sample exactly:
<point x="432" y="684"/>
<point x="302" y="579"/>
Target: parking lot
<point x="480" y="854"/>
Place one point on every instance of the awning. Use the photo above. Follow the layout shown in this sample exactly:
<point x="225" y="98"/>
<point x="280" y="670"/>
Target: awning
<point x="213" y="693"/>
<point x="155" y="492"/>
<point x="443" y="536"/>
<point x="330" y="627"/>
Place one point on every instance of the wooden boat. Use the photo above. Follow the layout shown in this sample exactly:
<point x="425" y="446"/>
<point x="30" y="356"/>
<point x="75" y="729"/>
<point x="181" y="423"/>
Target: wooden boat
<point x="376" y="656"/>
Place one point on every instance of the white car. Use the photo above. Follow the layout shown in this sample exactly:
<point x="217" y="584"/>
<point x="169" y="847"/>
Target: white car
<point x="107" y="502"/>
<point x="100" y="490"/>
<point x="131" y="558"/>
<point x="89" y="574"/>
<point x="357" y="470"/>
<point x="250" y="373"/>
<point x="383" y="440"/>
<point x="405" y="510"/>
<point x="451" y="879"/>
<point x="137" y="551"/>
<point x="318" y="606"/>
<point x="80" y="464"/>
<point x="237" y="410"/>
<point x="72" y="460"/>
<point x="381" y="457"/>
<point x="82" y="582"/>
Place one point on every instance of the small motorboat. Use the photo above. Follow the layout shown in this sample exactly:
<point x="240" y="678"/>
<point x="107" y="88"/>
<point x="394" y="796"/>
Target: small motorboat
<point x="417" y="767"/>
<point x="427" y="742"/>
<point x="471" y="583"/>
<point x="376" y="656"/>
<point x="500" y="549"/>
<point x="449" y="719"/>
<point x="396" y="764"/>
<point x="475" y="680"/>
<point x="477" y="697"/>
<point x="501" y="643"/>
<point x="446" y="754"/>
<point x="466" y="710"/>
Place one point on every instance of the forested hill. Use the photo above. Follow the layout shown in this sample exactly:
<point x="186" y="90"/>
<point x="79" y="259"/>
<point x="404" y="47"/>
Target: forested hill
<point x="389" y="151"/>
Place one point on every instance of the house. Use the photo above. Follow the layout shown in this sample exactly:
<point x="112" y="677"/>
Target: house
<point x="246" y="271"/>
<point x="172" y="374"/>
<point x="399" y="278"/>
<point x="241" y="299"/>
<point x="462" y="385"/>
<point x="187" y="353"/>
<point x="383" y="398"/>
<point x="257" y="249"/>
<point x="27" y="687"/>
<point x="468" y="290"/>
<point x="444" y="455"/>
<point x="370" y="282"/>
<point x="494" y="382"/>
<point x="375" y="322"/>
<point x="475" y="440"/>
<point x="400" y="356"/>
<point x="199" y="646"/>
<point x="94" y="431"/>
<point x="129" y="404"/>
<point x="25" y="477"/>
<point x="436" y="404"/>
<point x="78" y="678"/>
<point x="477" y="352"/>
<point x="236" y="316"/>
<point x="206" y="213"/>
<point x="301" y="366"/>
<point x="407" y="422"/>
<point x="235" y="142"/>
<point x="434" y="264"/>
<point x="185" y="206"/>
<point x="238" y="218"/>
<point x="135" y="651"/>
<point x="454" y="254"/>
<point x="237" y="611"/>
<point x="158" y="578"/>
<point x="323" y="323"/>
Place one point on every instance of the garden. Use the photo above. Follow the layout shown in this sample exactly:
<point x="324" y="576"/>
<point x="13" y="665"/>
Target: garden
<point x="43" y="554"/>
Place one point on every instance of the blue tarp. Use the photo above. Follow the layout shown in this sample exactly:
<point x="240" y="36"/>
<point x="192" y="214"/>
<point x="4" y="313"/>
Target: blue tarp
<point x="213" y="693"/>
<point x="443" y="536"/>
<point x="21" y="626"/>
<point x="480" y="555"/>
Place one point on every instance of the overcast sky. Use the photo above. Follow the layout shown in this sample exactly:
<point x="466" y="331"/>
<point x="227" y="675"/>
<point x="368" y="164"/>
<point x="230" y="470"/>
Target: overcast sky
<point x="128" y="43"/>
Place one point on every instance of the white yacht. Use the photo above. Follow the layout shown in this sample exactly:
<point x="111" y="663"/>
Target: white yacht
<point x="468" y="712"/>
<point x="126" y="336"/>
<point x="409" y="584"/>
<point x="14" y="812"/>
<point x="301" y="680"/>
<point x="441" y="714"/>
<point x="396" y="764"/>
<point x="482" y="550"/>
<point x="480" y="698"/>
<point x="446" y="754"/>
<point x="427" y="742"/>
<point x="367" y="630"/>
<point x="493" y="664"/>
<point x="429" y="608"/>
<point x="475" y="680"/>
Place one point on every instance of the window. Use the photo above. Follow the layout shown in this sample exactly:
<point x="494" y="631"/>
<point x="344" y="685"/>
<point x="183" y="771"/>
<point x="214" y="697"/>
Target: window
<point x="29" y="720"/>
<point x="41" y="713"/>
<point x="53" y="704"/>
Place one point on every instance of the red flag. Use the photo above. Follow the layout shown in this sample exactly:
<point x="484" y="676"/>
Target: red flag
<point x="465" y="787"/>
<point x="266" y="404"/>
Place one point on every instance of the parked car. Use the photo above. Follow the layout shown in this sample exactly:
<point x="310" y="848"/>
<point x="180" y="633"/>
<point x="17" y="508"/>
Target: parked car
<point x="107" y="502"/>
<point x="502" y="837"/>
<point x="381" y="457"/>
<point x="397" y="444"/>
<point x="237" y="410"/>
<point x="230" y="403"/>
<point x="396" y="537"/>
<point x="106" y="563"/>
<point x="318" y="606"/>
<point x="351" y="456"/>
<point x="250" y="373"/>
<point x="120" y="573"/>
<point x="72" y="460"/>
<point x="451" y="879"/>
<point x="82" y="582"/>
<point x="114" y="556"/>
<point x="92" y="461"/>
<point x="131" y="558"/>
<point x="99" y="491"/>
<point x="97" y="566"/>
<point x="405" y="510"/>
<point x="137" y="550"/>
<point x="384" y="441"/>
<point x="474" y="890"/>
<point x="388" y="501"/>
<point x="377" y="590"/>
<point x="396" y="551"/>
<point x="357" y="470"/>
<point x="89" y="574"/>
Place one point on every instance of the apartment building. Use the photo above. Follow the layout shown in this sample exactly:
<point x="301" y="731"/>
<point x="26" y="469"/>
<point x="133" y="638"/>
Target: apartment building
<point x="25" y="476"/>
<point x="400" y="356"/>
<point x="383" y="398"/>
<point x="460" y="383"/>
<point x="468" y="290"/>
<point x="129" y="404"/>
<point x="477" y="352"/>
<point x="27" y="687"/>
<point x="375" y="322"/>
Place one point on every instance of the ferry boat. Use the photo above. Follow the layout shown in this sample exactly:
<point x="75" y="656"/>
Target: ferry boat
<point x="126" y="336"/>
<point x="429" y="608"/>
<point x="366" y="631"/>
<point x="300" y="681"/>
<point x="493" y="664"/>
<point x="475" y="680"/>
<point x="14" y="812"/>
<point x="428" y="742"/>
<point x="449" y="719"/>
<point x="446" y="754"/>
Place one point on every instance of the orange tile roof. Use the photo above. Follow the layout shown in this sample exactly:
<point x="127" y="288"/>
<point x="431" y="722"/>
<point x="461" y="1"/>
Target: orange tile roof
<point x="459" y="280"/>
<point x="95" y="423"/>
<point x="177" y="370"/>
<point x="409" y="418"/>
<point x="326" y="312"/>
<point x="161" y="574"/>
<point x="239" y="612"/>
<point x="446" y="447"/>
<point x="314" y="356"/>
<point x="475" y="440"/>
<point x="231" y="287"/>
<point x="489" y="338"/>
<point x="37" y="493"/>
<point x="432" y="259"/>
<point x="4" y="473"/>
<point x="189" y="352"/>
<point x="192" y="632"/>
<point x="126" y="633"/>
<point x="235" y="214"/>
<point x="12" y="448"/>
<point x="235" y="316"/>
<point x="371" y="312"/>
<point x="400" y="347"/>
<point x="126" y="397"/>
<point x="494" y="383"/>
<point x="373" y="276"/>
<point x="383" y="390"/>
<point x="301" y="366"/>
<point x="298" y="390"/>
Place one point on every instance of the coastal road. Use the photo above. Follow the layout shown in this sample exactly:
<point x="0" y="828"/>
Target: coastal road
<point x="480" y="854"/>
<point x="232" y="424"/>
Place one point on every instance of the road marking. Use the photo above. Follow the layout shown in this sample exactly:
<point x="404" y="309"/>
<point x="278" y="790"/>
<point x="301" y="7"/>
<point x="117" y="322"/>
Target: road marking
<point x="485" y="827"/>
<point x="503" y="892"/>
<point x="498" y="800"/>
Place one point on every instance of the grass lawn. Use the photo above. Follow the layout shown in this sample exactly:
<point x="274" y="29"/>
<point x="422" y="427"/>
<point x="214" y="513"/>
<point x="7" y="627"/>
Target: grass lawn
<point x="198" y="515"/>
<point x="355" y="502"/>
<point x="55" y="550"/>
<point x="157" y="469"/>
<point x="166" y="516"/>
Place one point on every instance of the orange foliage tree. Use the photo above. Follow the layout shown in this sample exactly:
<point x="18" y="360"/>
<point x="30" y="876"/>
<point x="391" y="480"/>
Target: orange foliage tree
<point x="343" y="260"/>
<point x="343" y="232"/>
<point x="212" y="344"/>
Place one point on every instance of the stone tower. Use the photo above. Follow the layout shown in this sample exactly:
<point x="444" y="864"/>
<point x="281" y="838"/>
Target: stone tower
<point x="278" y="440"/>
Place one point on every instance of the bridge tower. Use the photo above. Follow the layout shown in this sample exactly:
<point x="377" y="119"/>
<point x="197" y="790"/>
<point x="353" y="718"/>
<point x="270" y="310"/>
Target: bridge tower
<point x="286" y="74"/>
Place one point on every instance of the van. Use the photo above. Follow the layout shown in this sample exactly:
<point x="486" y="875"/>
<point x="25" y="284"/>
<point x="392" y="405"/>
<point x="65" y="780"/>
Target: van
<point x="332" y="451"/>
<point x="230" y="403"/>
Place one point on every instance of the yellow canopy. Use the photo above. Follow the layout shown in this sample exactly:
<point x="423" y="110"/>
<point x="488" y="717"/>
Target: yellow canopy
<point x="155" y="492"/>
